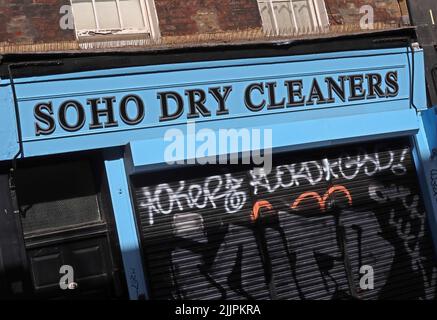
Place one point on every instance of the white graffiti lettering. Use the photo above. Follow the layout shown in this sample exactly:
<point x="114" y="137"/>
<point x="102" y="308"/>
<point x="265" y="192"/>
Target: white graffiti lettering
<point x="312" y="172"/>
<point x="165" y="199"/>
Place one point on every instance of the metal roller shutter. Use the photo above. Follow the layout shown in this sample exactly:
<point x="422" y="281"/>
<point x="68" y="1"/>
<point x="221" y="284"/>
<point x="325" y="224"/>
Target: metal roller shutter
<point x="303" y="231"/>
<point x="386" y="224"/>
<point x="198" y="237"/>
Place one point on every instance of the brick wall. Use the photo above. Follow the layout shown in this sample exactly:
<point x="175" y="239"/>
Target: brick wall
<point x="348" y="11"/>
<point x="32" y="21"/>
<point x="36" y="21"/>
<point x="202" y="16"/>
<point x="178" y="17"/>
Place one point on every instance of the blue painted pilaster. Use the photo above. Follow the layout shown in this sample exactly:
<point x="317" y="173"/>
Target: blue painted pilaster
<point x="424" y="142"/>
<point x="126" y="225"/>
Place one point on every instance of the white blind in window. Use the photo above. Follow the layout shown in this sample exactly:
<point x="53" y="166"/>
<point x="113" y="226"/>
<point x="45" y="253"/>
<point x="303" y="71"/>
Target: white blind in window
<point x="305" y="14"/>
<point x="99" y="15"/>
<point x="131" y="13"/>
<point x="107" y="14"/>
<point x="286" y="16"/>
<point x="84" y="15"/>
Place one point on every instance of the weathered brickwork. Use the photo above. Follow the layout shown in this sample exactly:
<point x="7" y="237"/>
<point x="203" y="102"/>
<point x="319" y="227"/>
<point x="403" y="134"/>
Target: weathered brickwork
<point x="37" y="21"/>
<point x="32" y="21"/>
<point x="205" y="16"/>
<point x="348" y="11"/>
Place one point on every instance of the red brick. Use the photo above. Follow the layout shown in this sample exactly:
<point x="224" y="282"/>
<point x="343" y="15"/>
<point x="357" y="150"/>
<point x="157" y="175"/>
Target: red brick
<point x="201" y="16"/>
<point x="38" y="20"/>
<point x="348" y="11"/>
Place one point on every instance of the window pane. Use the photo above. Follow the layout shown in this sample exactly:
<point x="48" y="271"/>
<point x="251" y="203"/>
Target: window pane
<point x="284" y="16"/>
<point x="107" y="14"/>
<point x="266" y="17"/>
<point x="304" y="19"/>
<point x="131" y="14"/>
<point x="324" y="19"/>
<point x="58" y="196"/>
<point x="84" y="15"/>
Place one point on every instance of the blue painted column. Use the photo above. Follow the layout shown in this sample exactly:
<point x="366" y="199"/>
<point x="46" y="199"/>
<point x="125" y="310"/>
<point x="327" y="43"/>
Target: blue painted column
<point x="425" y="159"/>
<point x="126" y="225"/>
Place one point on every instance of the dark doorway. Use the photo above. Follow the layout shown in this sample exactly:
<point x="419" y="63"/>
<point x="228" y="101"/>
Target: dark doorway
<point x="67" y="221"/>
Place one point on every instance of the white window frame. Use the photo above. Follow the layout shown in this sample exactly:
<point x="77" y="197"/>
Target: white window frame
<point x="149" y="15"/>
<point x="317" y="9"/>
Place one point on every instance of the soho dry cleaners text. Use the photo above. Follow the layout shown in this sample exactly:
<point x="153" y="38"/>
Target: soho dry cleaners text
<point x="197" y="103"/>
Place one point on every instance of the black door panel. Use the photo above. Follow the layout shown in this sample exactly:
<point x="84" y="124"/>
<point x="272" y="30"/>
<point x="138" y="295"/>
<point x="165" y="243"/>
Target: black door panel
<point x="66" y="224"/>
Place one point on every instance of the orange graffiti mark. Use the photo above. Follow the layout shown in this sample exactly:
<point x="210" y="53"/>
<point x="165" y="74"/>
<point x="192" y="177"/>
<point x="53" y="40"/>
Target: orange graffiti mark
<point x="257" y="207"/>
<point x="338" y="189"/>
<point x="322" y="201"/>
<point x="306" y="195"/>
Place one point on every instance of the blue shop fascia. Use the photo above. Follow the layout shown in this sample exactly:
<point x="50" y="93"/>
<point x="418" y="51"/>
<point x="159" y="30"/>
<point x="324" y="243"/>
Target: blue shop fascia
<point x="86" y="183"/>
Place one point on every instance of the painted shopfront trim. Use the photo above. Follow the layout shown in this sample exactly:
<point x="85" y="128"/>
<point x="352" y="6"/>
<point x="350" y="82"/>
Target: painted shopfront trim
<point x="58" y="120"/>
<point x="425" y="159"/>
<point x="295" y="135"/>
<point x="318" y="124"/>
<point x="126" y="225"/>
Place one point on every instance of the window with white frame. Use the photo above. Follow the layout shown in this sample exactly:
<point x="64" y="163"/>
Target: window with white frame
<point x="113" y="16"/>
<point x="282" y="17"/>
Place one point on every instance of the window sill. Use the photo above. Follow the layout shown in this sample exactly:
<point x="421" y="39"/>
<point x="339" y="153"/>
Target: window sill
<point x="111" y="36"/>
<point x="113" y="40"/>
